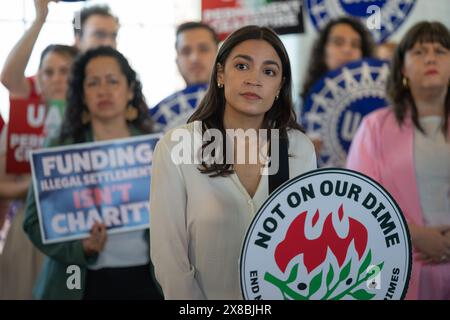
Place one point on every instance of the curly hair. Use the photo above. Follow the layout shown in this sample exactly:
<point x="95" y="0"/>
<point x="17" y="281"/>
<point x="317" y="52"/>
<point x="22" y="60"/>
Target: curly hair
<point x="212" y="108"/>
<point x="400" y="96"/>
<point x="72" y="126"/>
<point x="317" y="66"/>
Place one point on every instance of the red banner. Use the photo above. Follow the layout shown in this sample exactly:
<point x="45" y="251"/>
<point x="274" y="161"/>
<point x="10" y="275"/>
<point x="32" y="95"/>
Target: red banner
<point x="25" y="132"/>
<point x="2" y="123"/>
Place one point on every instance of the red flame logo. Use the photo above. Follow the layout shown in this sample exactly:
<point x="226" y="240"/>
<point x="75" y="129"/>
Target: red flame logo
<point x="315" y="250"/>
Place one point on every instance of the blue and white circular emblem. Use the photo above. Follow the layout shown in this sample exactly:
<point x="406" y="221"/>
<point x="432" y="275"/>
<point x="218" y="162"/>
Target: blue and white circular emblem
<point x="176" y="109"/>
<point x="336" y="104"/>
<point x="382" y="17"/>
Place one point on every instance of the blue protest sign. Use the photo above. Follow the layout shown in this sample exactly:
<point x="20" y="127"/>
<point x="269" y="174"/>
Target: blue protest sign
<point x="79" y="184"/>
<point x="336" y="104"/>
<point x="382" y="17"/>
<point x="176" y="109"/>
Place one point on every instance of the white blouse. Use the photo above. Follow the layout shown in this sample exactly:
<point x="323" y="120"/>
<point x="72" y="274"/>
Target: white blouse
<point x="198" y="223"/>
<point x="432" y="164"/>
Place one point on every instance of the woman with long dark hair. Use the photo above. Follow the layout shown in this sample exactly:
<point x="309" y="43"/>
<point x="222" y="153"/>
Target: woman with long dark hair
<point x="406" y="147"/>
<point x="78" y="114"/>
<point x="104" y="102"/>
<point x="200" y="211"/>
<point x="342" y="40"/>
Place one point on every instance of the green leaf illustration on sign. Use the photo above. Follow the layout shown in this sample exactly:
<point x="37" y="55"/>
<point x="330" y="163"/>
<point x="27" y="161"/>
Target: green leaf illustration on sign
<point x="362" y="294"/>
<point x="345" y="271"/>
<point x="330" y="276"/>
<point x="315" y="284"/>
<point x="365" y="263"/>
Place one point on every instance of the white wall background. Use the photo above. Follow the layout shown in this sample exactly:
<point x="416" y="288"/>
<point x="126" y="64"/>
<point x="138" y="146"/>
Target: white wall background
<point x="147" y="37"/>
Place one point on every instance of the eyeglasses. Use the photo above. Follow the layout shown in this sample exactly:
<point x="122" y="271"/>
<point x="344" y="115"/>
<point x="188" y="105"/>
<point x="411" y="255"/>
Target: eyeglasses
<point x="102" y="35"/>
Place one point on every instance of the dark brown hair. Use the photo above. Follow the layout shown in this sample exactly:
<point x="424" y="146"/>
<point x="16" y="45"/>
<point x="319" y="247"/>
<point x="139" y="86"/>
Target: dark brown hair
<point x="317" y="66"/>
<point x="400" y="96"/>
<point x="87" y="12"/>
<point x="211" y="109"/>
<point x="63" y="50"/>
<point x="195" y="25"/>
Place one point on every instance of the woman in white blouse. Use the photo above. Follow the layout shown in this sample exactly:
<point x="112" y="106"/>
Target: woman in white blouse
<point x="406" y="148"/>
<point x="200" y="211"/>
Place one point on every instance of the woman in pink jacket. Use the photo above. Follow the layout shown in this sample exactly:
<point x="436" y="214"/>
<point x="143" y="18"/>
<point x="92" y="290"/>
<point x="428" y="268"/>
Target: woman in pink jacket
<point x="406" y="147"/>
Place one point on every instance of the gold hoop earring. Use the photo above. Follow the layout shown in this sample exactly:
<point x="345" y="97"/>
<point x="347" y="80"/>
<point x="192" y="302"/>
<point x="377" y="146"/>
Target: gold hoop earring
<point x="405" y="83"/>
<point x="85" y="117"/>
<point x="131" y="113"/>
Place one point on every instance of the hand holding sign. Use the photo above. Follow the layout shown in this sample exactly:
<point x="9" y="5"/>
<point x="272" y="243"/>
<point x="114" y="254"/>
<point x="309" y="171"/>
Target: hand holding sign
<point x="42" y="8"/>
<point x="96" y="241"/>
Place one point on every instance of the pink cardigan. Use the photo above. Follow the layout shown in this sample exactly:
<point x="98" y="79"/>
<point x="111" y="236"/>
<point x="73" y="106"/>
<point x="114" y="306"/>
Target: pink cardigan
<point x="383" y="150"/>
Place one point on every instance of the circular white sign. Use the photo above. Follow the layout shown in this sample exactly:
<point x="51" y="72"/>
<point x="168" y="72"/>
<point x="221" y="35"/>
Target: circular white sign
<point x="327" y="234"/>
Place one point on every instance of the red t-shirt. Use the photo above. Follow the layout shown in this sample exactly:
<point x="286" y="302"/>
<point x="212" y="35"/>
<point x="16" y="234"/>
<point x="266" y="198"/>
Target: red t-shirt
<point x="33" y="88"/>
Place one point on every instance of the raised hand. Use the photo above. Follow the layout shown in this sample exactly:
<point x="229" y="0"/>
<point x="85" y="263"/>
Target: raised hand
<point x="42" y="8"/>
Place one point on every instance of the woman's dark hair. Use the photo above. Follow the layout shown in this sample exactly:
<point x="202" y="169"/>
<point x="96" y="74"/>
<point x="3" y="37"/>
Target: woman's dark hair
<point x="61" y="49"/>
<point x="399" y="95"/>
<point x="317" y="66"/>
<point x="211" y="109"/>
<point x="72" y="127"/>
